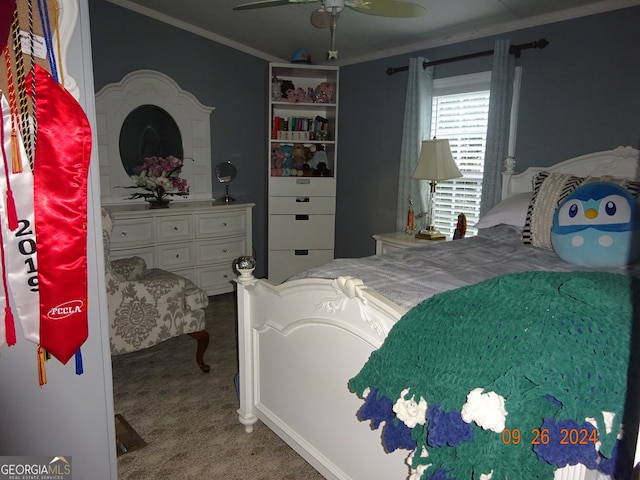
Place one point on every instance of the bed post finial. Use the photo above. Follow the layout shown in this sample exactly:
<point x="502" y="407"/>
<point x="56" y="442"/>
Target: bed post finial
<point x="245" y="266"/>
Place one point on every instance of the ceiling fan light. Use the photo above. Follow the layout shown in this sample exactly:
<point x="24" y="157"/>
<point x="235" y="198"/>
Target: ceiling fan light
<point x="320" y="18"/>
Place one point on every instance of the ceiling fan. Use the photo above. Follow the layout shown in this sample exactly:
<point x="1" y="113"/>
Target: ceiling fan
<point x="327" y="15"/>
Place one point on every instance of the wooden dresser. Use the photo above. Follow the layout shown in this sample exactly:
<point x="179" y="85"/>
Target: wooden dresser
<point x="198" y="240"/>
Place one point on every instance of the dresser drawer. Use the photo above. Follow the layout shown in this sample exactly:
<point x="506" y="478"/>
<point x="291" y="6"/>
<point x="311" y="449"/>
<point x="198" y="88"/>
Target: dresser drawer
<point x="288" y="232"/>
<point x="220" y="224"/>
<point x="224" y="250"/>
<point x="174" y="228"/>
<point x="132" y="231"/>
<point x="301" y="186"/>
<point x="174" y="256"/>
<point x="303" y="204"/>
<point x="285" y="263"/>
<point x="215" y="279"/>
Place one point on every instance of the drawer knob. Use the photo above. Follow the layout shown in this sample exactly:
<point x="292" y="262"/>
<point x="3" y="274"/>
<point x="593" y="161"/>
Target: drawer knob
<point x="224" y="250"/>
<point x="224" y="224"/>
<point x="225" y="275"/>
<point x="175" y="229"/>
<point x="124" y="234"/>
<point x="177" y="255"/>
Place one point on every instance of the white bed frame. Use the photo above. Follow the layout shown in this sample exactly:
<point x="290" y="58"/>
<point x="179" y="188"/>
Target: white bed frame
<point x="301" y="341"/>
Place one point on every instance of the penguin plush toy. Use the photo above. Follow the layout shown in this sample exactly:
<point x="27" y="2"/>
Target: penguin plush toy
<point x="597" y="225"/>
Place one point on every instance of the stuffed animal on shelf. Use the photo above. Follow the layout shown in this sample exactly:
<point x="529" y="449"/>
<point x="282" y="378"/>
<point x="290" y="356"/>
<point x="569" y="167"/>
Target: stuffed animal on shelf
<point x="319" y="156"/>
<point x="322" y="170"/>
<point x="325" y="93"/>
<point x="298" y="95"/>
<point x="276" y="89"/>
<point x="299" y="157"/>
<point x="277" y="160"/>
<point x="285" y="87"/>
<point x="287" y="160"/>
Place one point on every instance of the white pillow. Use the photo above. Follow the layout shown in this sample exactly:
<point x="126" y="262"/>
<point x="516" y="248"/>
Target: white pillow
<point x="511" y="211"/>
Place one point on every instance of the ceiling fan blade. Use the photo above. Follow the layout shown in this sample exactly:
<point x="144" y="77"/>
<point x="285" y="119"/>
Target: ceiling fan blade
<point x="269" y="3"/>
<point x="388" y="8"/>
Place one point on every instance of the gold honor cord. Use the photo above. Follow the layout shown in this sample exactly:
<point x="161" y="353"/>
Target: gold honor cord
<point x="34" y="129"/>
<point x="16" y="164"/>
<point x="23" y="101"/>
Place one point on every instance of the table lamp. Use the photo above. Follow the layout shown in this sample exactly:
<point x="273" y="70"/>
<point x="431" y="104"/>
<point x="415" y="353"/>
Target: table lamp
<point x="435" y="163"/>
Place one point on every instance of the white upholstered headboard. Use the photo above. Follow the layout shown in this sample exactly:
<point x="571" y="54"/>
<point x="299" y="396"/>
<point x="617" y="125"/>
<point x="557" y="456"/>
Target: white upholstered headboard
<point x="621" y="162"/>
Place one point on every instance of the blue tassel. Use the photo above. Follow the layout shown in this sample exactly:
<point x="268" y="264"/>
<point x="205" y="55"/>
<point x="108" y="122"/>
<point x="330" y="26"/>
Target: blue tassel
<point x="79" y="369"/>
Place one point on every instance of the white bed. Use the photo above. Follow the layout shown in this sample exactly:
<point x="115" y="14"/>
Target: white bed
<point x="300" y="342"/>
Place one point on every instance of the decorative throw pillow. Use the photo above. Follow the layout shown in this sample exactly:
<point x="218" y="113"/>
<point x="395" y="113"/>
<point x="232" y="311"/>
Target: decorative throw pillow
<point x="597" y="225"/>
<point x="549" y="189"/>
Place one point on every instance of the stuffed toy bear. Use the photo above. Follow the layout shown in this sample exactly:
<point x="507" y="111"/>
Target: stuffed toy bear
<point x="285" y="87"/>
<point x="297" y="96"/>
<point x="299" y="159"/>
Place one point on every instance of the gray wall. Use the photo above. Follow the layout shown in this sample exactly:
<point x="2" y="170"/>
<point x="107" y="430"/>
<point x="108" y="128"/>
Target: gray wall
<point x="578" y="95"/>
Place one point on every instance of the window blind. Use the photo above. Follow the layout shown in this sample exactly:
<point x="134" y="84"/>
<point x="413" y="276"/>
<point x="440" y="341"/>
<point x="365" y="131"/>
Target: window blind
<point x="462" y="119"/>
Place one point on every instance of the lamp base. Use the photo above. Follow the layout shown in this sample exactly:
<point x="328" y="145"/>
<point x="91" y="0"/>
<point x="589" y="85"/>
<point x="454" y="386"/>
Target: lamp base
<point x="430" y="236"/>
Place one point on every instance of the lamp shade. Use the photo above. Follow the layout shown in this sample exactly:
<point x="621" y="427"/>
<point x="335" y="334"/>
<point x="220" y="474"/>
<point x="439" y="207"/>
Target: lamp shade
<point x="436" y="162"/>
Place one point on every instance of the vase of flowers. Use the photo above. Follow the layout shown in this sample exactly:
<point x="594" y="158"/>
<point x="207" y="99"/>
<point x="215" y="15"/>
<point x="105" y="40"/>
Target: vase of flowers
<point x="160" y="177"/>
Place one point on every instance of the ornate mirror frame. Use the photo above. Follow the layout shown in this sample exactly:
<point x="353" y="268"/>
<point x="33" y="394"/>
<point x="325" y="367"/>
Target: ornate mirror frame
<point x="148" y="87"/>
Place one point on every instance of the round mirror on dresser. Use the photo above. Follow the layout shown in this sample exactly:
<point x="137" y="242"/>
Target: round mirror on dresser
<point x="225" y="173"/>
<point x="148" y="131"/>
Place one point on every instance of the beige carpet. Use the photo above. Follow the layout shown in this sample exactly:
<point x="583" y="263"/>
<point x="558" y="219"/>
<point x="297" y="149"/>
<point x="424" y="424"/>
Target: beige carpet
<point x="188" y="418"/>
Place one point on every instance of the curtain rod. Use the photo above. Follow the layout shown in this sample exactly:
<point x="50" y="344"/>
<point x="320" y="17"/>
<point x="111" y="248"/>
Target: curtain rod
<point x="513" y="49"/>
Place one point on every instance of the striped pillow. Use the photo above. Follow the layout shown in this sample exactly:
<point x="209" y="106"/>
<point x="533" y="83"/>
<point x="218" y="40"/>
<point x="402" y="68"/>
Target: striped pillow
<point x="549" y="189"/>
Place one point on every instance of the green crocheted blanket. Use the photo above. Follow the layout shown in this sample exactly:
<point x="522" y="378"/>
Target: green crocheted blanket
<point x="512" y="377"/>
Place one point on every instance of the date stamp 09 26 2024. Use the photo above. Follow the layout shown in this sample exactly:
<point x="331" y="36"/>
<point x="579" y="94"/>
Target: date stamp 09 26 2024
<point x="569" y="436"/>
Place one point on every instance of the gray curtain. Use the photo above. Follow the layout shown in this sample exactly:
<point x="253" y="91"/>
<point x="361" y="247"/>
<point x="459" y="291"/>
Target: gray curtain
<point x="416" y="127"/>
<point x="502" y="75"/>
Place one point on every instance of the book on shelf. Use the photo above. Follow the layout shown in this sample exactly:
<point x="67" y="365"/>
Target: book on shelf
<point x="300" y="128"/>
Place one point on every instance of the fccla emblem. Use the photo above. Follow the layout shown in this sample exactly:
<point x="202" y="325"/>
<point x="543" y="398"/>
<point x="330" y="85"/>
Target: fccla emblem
<point x="65" y="309"/>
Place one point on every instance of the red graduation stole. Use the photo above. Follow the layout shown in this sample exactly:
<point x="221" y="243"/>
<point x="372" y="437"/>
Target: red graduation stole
<point x="61" y="166"/>
<point x="7" y="7"/>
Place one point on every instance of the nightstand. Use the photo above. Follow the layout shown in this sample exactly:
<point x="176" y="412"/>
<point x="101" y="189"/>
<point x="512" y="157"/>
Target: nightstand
<point x="389" y="242"/>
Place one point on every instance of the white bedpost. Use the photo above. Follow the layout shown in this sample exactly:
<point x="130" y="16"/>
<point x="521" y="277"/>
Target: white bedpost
<point x="245" y="283"/>
<point x="509" y="170"/>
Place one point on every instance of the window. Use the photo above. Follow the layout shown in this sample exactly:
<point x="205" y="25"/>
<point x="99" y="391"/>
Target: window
<point x="460" y="112"/>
